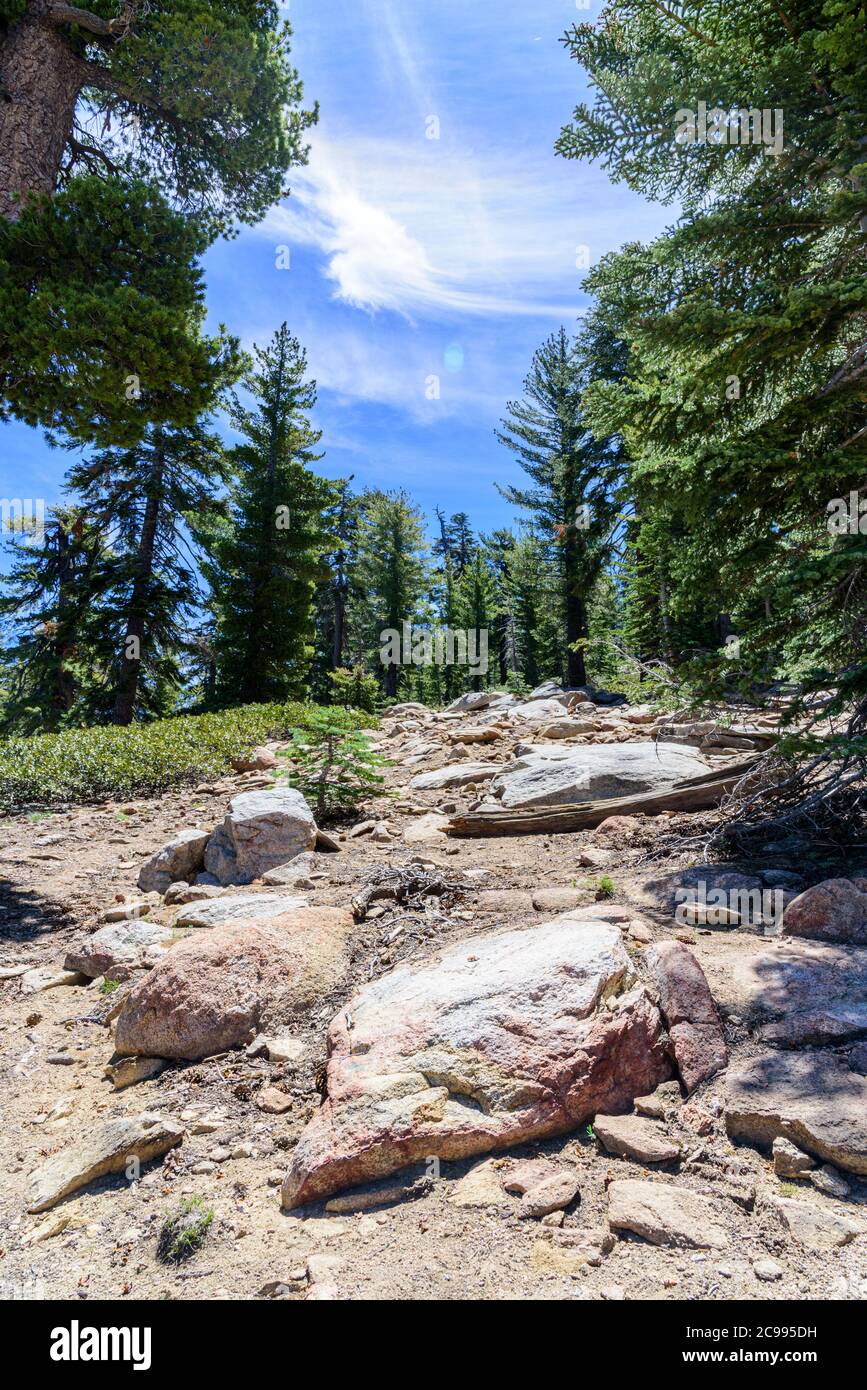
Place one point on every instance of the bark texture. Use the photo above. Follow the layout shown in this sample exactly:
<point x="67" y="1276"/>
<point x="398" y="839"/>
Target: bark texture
<point x="41" y="76"/>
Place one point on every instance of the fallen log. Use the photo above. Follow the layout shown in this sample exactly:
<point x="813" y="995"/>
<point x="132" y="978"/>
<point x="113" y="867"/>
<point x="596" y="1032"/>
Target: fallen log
<point x="693" y="794"/>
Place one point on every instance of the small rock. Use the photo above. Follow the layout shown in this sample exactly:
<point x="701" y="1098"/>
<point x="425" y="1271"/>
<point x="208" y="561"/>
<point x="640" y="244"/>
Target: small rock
<point x="105" y="1148"/>
<point x="554" y="1193"/>
<point x="767" y="1270"/>
<point x="828" y="1180"/>
<point x="322" y="1293"/>
<point x="363" y="827"/>
<point x="480" y="1187"/>
<point x="48" y="977"/>
<point x="530" y="1173"/>
<point x="664" y="1214"/>
<point x="284" y="1049"/>
<point x="652" y="1107"/>
<point x="274" y="1102"/>
<point x="789" y="1160"/>
<point x="557" y="899"/>
<point x="816" y="1227"/>
<point x="630" y="1136"/>
<point x="505" y="900"/>
<point x="127" y="1071"/>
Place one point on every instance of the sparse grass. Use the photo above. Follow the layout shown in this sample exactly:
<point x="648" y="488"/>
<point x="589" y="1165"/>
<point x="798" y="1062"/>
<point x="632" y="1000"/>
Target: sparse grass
<point x="109" y="986"/>
<point x="605" y="887"/>
<point x="184" y="1230"/>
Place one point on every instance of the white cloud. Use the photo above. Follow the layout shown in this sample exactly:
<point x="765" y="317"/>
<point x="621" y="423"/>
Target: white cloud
<point x="420" y="229"/>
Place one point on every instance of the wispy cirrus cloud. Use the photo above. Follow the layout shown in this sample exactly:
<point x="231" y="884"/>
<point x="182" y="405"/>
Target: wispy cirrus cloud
<point x="421" y="230"/>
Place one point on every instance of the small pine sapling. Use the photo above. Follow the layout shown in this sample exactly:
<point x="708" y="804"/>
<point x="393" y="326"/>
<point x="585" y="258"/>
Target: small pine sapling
<point x="333" y="764"/>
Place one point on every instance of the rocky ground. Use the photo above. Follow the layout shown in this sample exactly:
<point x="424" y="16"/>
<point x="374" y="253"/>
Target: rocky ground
<point x="525" y="1172"/>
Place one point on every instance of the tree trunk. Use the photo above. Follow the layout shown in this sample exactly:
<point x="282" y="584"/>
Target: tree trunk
<point x="576" y="628"/>
<point x="340" y="588"/>
<point x="64" y="646"/>
<point x="40" y="79"/>
<point x="130" y="667"/>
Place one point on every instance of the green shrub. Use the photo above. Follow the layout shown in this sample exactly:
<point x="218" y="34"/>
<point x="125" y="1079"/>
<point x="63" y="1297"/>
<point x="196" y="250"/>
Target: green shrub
<point x="183" y="1230"/>
<point x="111" y="763"/>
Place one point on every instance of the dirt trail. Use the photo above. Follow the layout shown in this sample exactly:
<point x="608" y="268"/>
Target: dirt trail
<point x="59" y="872"/>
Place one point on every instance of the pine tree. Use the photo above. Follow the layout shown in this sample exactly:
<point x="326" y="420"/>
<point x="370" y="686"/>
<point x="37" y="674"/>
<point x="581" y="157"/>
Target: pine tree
<point x="144" y="500"/>
<point x="334" y="600"/>
<point x="498" y="549"/>
<point x="264" y="566"/>
<point x="576" y="477"/>
<point x="392" y="573"/>
<point x="476" y="611"/>
<point x="50" y="610"/>
<point x="202" y="96"/>
<point x="743" y="403"/>
<point x="534" y="586"/>
<point x="334" y="766"/>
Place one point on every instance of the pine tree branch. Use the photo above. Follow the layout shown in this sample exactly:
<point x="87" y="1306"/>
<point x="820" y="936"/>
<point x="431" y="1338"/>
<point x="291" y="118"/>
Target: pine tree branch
<point x="92" y="23"/>
<point x="670" y="14"/>
<point x="96" y="75"/>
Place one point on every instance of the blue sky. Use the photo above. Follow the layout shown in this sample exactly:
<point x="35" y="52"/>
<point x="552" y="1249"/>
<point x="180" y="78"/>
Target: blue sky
<point x="412" y="257"/>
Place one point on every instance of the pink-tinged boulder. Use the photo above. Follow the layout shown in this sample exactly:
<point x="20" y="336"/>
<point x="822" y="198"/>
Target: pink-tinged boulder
<point x="499" y="1040"/>
<point x="835" y="910"/>
<point x="687" y="1005"/>
<point x="803" y="993"/>
<point x="810" y="1098"/>
<point x="220" y="988"/>
<point x="258" y="760"/>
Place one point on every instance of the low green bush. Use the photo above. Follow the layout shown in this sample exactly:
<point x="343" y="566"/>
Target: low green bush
<point x="110" y="763"/>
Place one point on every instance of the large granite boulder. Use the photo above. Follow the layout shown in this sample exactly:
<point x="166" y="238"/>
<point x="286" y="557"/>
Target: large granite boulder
<point x="262" y="829"/>
<point x="810" y="1098"/>
<point x="219" y="988"/>
<point x="455" y="775"/>
<point x="181" y="858"/>
<point x="240" y="907"/>
<point x="803" y="993"/>
<point x="553" y="776"/>
<point x="497" y="1041"/>
<point x="104" y="1148"/>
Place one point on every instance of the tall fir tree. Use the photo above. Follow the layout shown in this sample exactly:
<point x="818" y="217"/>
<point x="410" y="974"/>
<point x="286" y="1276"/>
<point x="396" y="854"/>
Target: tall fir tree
<point x="392" y="574"/>
<point x="145" y="500"/>
<point x="265" y="562"/>
<point x="576" y="479"/>
<point x="476" y="613"/>
<point x="50" y="608"/>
